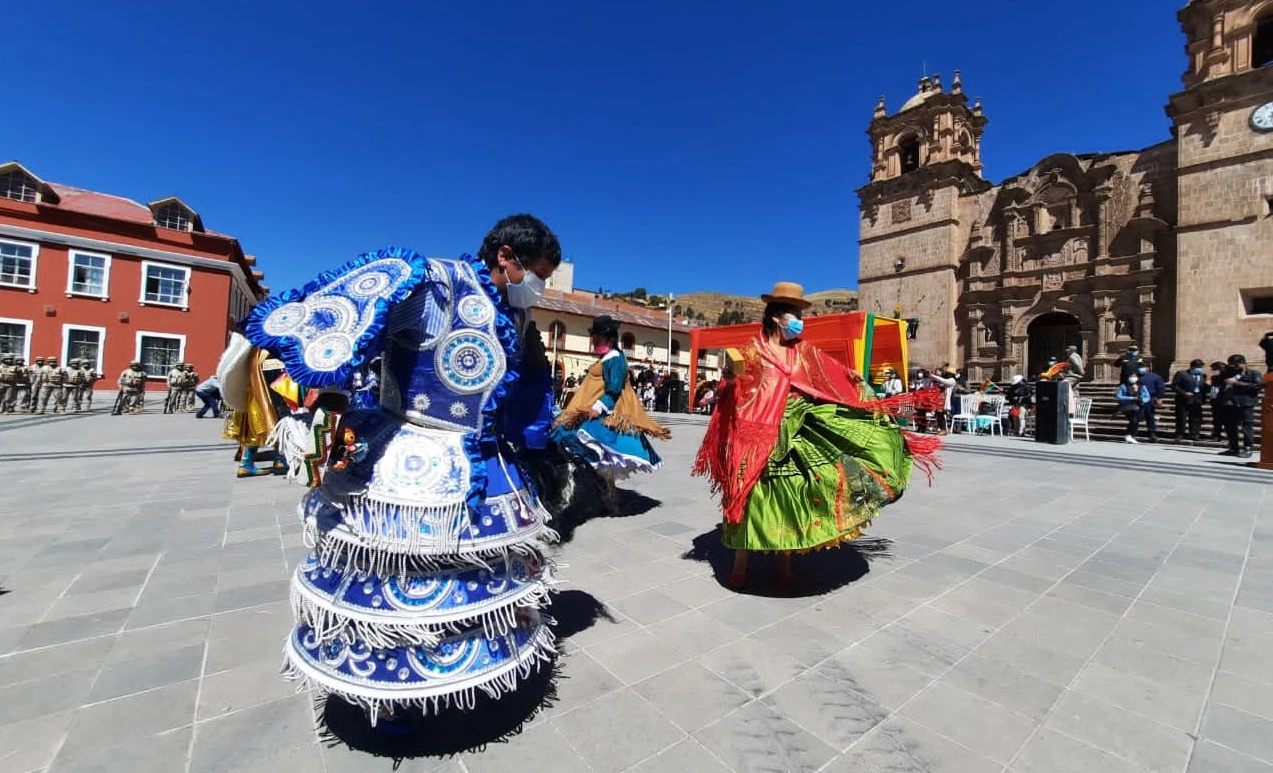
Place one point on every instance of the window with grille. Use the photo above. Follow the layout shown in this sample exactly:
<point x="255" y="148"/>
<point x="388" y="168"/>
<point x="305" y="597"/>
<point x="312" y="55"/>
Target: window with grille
<point x="17" y="186"/>
<point x="13" y="338"/>
<point x="17" y="265"/>
<point x="165" y="284"/>
<point x="173" y="216"/>
<point x="88" y="274"/>
<point x="83" y="344"/>
<point x="158" y="353"/>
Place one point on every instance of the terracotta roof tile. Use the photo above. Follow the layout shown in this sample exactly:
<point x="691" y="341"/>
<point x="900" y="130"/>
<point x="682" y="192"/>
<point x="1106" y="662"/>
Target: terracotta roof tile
<point x="100" y="204"/>
<point x="581" y="304"/>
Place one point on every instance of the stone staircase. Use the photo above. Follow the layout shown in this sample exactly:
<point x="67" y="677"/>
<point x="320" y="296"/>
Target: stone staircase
<point x="1108" y="424"/>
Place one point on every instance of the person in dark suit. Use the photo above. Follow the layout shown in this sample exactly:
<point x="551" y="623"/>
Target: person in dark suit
<point x="1157" y="391"/>
<point x="1239" y="392"/>
<point x="1190" y="389"/>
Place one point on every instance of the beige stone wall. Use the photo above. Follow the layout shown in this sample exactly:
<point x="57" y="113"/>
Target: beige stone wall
<point x="1225" y="237"/>
<point x="921" y="231"/>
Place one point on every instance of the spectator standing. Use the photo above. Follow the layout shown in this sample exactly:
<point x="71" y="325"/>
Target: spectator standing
<point x="1157" y="393"/>
<point x="1190" y="388"/>
<point x="1239" y="392"/>
<point x="1129" y="362"/>
<point x="1132" y="397"/>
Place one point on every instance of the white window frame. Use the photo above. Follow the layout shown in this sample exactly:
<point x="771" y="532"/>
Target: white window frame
<point x="67" y="327"/>
<point x="35" y="264"/>
<point x="106" y="275"/>
<point x="30" y="326"/>
<point x="185" y="292"/>
<point x="181" y="350"/>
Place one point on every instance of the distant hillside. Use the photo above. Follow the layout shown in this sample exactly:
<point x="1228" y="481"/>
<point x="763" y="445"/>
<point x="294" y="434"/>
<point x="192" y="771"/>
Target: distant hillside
<point x="715" y="306"/>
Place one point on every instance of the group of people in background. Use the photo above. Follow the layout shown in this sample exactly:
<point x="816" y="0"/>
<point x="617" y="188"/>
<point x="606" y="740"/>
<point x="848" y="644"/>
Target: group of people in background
<point x="1230" y="387"/>
<point x="31" y="388"/>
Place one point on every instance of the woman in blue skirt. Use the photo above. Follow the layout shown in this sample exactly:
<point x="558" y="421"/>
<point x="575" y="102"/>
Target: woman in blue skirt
<point x="604" y="423"/>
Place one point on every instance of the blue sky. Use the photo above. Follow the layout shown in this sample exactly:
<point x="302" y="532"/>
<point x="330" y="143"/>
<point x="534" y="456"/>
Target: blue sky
<point x="676" y="145"/>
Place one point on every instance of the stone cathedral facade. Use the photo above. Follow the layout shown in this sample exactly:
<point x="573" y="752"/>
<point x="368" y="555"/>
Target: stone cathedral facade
<point x="1170" y="246"/>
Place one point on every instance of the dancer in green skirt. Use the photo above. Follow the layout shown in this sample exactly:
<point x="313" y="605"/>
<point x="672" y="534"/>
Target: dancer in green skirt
<point x="801" y="453"/>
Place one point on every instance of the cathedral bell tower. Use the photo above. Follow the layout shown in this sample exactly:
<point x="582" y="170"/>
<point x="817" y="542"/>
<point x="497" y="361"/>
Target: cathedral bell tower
<point x="1223" y="123"/>
<point x="925" y="158"/>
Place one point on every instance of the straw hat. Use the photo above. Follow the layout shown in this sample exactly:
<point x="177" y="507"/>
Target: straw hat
<point x="789" y="293"/>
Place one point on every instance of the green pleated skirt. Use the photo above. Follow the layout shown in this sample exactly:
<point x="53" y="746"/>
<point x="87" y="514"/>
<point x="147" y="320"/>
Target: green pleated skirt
<point x="831" y="471"/>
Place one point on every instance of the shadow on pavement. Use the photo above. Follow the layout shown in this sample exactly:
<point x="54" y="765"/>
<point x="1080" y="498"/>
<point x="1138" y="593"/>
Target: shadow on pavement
<point x="448" y="732"/>
<point x="452" y="730"/>
<point x="817" y="573"/>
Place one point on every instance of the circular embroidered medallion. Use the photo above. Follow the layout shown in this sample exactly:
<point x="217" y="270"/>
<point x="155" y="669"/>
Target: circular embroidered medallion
<point x="285" y="319"/>
<point x="369" y="284"/>
<point x="476" y="310"/>
<point x="329" y="351"/>
<point x="470" y="362"/>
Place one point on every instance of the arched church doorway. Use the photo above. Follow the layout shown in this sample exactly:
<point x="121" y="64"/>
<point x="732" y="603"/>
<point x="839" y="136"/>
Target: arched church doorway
<point x="1049" y="334"/>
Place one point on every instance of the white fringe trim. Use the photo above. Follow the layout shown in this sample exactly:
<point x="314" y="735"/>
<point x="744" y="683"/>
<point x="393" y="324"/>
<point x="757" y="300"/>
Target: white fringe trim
<point x="463" y="695"/>
<point x="402" y="527"/>
<point x="329" y="622"/>
<point x="342" y="547"/>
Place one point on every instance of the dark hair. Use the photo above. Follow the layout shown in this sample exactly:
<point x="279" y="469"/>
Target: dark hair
<point x="526" y="235"/>
<point x="1196" y="363"/>
<point x="776" y="309"/>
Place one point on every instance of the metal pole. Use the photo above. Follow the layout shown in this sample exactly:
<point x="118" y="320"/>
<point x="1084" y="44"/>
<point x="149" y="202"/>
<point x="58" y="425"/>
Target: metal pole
<point x="669" y="332"/>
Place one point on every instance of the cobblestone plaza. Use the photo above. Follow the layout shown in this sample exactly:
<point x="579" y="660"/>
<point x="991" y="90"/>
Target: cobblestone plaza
<point x="1038" y="609"/>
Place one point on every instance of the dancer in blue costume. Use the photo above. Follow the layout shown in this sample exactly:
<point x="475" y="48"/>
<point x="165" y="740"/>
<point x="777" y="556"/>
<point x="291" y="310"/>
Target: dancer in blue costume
<point x="604" y="423"/>
<point x="428" y="574"/>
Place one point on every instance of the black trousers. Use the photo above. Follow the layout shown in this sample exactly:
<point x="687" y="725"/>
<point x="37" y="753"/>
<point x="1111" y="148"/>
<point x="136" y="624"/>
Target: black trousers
<point x="1235" y="417"/>
<point x="1132" y="413"/>
<point x="1188" y="417"/>
<point x="1151" y="422"/>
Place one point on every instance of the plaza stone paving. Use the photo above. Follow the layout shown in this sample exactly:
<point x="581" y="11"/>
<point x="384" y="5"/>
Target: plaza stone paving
<point x="1038" y="610"/>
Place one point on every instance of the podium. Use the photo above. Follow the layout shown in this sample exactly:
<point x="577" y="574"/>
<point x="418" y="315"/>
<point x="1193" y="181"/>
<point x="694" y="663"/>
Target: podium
<point x="1052" y="412"/>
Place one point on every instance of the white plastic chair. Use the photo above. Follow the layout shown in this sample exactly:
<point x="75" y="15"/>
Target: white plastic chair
<point x="1080" y="418"/>
<point x="967" y="412"/>
<point x="994" y="419"/>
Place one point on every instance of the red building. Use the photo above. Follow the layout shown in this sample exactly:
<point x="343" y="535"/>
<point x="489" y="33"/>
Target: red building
<point x="90" y="275"/>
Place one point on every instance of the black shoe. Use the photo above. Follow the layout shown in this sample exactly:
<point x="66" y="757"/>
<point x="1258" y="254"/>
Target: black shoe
<point x="1228" y="452"/>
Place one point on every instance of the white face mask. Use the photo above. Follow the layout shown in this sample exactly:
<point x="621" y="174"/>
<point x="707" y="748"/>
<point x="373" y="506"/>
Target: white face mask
<point x="526" y="293"/>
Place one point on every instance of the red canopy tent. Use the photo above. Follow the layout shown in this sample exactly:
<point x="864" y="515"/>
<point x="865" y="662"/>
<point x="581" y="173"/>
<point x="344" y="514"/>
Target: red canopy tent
<point x="860" y="340"/>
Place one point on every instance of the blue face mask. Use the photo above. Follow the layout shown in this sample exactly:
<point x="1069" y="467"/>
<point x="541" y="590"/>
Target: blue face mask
<point x="1141" y="370"/>
<point x="1197" y="371"/>
<point x="791" y="328"/>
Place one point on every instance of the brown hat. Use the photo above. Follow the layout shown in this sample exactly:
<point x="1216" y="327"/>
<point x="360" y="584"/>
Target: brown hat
<point x="789" y="293"/>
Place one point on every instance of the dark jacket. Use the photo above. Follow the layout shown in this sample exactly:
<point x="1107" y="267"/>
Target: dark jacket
<point x="1127" y="366"/>
<point x="1154" y="383"/>
<point x="1243" y="394"/>
<point x="1189" y="388"/>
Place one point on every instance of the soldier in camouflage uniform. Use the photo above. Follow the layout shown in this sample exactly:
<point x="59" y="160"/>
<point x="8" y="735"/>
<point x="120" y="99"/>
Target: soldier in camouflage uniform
<point x="20" y="400"/>
<point x="90" y="377"/>
<point x="132" y="384"/>
<point x="175" y="374"/>
<point x="75" y="383"/>
<point x="187" y="388"/>
<point x="37" y="376"/>
<point x="52" y="385"/>
<point x="8" y="381"/>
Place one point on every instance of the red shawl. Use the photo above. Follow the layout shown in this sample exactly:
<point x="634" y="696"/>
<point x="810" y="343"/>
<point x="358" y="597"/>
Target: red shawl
<point x="745" y="426"/>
